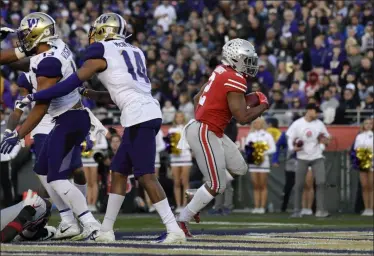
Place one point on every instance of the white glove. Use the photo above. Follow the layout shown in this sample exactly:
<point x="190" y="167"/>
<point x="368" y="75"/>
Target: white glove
<point x="32" y="199"/>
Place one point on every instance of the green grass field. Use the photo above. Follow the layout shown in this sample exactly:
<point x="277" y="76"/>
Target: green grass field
<point x="236" y="234"/>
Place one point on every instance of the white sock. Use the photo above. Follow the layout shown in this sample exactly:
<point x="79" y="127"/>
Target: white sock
<point x="114" y="205"/>
<point x="82" y="188"/>
<point x="167" y="216"/>
<point x="63" y="208"/>
<point x="201" y="198"/>
<point x="72" y="196"/>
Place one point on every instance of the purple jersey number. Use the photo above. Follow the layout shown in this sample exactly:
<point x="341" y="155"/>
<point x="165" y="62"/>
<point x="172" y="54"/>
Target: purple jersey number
<point x="140" y="68"/>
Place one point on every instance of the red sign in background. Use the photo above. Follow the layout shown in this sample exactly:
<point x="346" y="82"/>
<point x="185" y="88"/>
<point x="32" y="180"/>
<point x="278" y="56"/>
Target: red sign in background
<point x="342" y="136"/>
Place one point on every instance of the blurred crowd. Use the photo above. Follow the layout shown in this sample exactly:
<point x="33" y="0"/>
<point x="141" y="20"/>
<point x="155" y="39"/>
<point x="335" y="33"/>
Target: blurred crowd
<point x="310" y="51"/>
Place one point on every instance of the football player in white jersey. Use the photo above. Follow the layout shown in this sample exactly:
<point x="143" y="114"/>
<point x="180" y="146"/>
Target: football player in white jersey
<point x="68" y="226"/>
<point x="52" y="61"/>
<point x="122" y="70"/>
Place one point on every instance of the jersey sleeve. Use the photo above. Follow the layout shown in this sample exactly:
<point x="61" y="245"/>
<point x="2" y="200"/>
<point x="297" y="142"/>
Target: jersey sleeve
<point x="24" y="82"/>
<point x="94" y="51"/>
<point x="235" y="82"/>
<point x="49" y="67"/>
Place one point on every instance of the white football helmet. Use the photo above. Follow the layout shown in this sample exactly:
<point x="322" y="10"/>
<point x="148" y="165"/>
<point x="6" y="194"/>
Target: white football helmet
<point x="241" y="56"/>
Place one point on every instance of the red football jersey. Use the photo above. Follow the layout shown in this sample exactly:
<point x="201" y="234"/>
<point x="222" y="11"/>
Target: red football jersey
<point x="213" y="108"/>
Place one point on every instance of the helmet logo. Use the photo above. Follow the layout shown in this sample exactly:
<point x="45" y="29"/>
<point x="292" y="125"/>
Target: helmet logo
<point x="33" y="22"/>
<point x="103" y="19"/>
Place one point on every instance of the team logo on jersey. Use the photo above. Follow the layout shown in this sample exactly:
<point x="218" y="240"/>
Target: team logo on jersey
<point x="308" y="133"/>
<point x="103" y="19"/>
<point x="33" y="22"/>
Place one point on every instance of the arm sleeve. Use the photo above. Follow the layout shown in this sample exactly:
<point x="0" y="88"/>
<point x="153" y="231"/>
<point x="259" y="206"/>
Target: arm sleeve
<point x="49" y="67"/>
<point x="324" y="130"/>
<point x="60" y="89"/>
<point x="94" y="51"/>
<point x="290" y="137"/>
<point x="282" y="142"/>
<point x="24" y="82"/>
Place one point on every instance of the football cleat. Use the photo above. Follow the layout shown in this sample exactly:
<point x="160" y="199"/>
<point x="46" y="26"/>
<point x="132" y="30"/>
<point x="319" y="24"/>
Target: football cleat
<point x="43" y="234"/>
<point x="67" y="230"/>
<point x="88" y="229"/>
<point x="103" y="237"/>
<point x="189" y="194"/>
<point x="184" y="226"/>
<point x="171" y="238"/>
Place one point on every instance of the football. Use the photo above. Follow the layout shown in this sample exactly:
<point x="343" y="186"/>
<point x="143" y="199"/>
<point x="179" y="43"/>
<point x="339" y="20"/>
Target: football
<point x="252" y="100"/>
<point x="299" y="143"/>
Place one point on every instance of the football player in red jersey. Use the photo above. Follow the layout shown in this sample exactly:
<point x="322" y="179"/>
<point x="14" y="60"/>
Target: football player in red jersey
<point x="221" y="98"/>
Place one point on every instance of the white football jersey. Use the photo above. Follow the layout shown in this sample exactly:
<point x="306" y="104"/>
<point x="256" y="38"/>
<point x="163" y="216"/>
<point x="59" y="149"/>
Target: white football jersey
<point x="58" y="61"/>
<point x="45" y="125"/>
<point x="126" y="80"/>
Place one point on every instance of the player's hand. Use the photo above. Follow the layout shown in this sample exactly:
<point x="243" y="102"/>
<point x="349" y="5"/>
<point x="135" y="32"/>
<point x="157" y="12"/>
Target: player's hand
<point x="7" y="132"/>
<point x="82" y="90"/>
<point x="4" y="31"/>
<point x="262" y="98"/>
<point x="297" y="149"/>
<point x="9" y="142"/>
<point x="27" y="100"/>
<point x="20" y="105"/>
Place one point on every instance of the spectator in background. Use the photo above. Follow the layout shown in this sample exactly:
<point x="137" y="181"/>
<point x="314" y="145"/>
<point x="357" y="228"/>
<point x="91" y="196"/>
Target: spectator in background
<point x="278" y="101"/>
<point x="282" y="74"/>
<point x="273" y="21"/>
<point x="168" y="112"/>
<point x="313" y="84"/>
<point x="318" y="52"/>
<point x="365" y="140"/>
<point x="180" y="164"/>
<point x="328" y="101"/>
<point x="186" y="106"/>
<point x="259" y="173"/>
<point x="354" y="57"/>
<point x="312" y="31"/>
<point x="358" y="28"/>
<point x="289" y="22"/>
<point x="366" y="69"/>
<point x="347" y="103"/>
<point x="367" y="40"/>
<point x="206" y="43"/>
<point x="369" y="104"/>
<point x="165" y="15"/>
<point x="334" y="60"/>
<point x="295" y="92"/>
<point x="264" y="76"/>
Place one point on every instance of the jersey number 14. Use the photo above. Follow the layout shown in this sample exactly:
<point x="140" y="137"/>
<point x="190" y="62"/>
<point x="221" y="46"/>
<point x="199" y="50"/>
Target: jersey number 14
<point x="140" y="71"/>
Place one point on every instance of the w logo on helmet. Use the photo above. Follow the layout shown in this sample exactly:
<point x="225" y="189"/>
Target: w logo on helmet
<point x="33" y="22"/>
<point x="103" y="19"/>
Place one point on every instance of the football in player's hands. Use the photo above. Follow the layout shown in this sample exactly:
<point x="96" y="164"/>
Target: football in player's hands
<point x="252" y="100"/>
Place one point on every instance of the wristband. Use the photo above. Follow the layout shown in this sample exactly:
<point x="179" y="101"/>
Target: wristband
<point x="19" y="54"/>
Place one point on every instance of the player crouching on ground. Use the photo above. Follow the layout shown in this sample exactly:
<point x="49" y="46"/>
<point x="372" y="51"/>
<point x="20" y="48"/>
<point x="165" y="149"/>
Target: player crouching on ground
<point x="222" y="98"/>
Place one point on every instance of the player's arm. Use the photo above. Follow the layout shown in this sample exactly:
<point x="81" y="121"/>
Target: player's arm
<point x="94" y="63"/>
<point x="48" y="73"/>
<point x="10" y="55"/>
<point x="98" y="96"/>
<point x="196" y="98"/>
<point x="238" y="108"/>
<point x="22" y="64"/>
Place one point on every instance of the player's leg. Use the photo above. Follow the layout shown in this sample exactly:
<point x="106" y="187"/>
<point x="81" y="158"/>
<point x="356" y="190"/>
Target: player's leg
<point x="68" y="226"/>
<point x="70" y="130"/>
<point x="177" y="180"/>
<point x="235" y="162"/>
<point x="318" y="168"/>
<point x="301" y="171"/>
<point x="86" y="171"/>
<point x="80" y="180"/>
<point x="121" y="167"/>
<point x="210" y="157"/>
<point x="143" y="150"/>
<point x="185" y="177"/>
